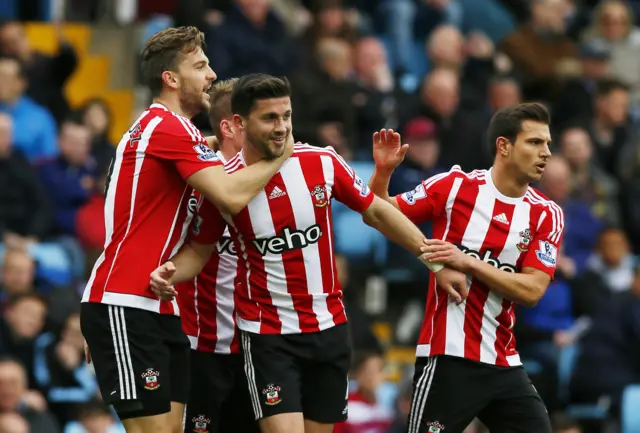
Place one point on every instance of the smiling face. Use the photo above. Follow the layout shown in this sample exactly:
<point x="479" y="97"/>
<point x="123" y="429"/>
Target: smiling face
<point x="267" y="126"/>
<point x="529" y="154"/>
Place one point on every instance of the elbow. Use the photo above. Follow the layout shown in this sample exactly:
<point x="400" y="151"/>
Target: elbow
<point x="532" y="297"/>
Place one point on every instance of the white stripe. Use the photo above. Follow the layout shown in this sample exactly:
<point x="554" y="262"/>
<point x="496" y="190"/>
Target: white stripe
<point x="225" y="305"/>
<point x="127" y="353"/>
<point x="186" y="127"/>
<point x="251" y="376"/>
<point x="330" y="151"/>
<point x="420" y="395"/>
<point x="116" y="347"/>
<point x="328" y="172"/>
<point x="140" y="154"/>
<point x="263" y="228"/>
<point x="304" y="215"/>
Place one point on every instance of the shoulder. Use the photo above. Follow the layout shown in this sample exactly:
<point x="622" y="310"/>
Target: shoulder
<point x="448" y="177"/>
<point x="548" y="209"/>
<point x="305" y="150"/>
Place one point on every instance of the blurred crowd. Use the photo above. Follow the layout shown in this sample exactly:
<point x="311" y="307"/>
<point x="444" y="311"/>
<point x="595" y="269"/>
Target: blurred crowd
<point x="436" y="71"/>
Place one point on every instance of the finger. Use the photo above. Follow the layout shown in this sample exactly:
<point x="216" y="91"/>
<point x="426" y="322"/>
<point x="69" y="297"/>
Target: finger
<point x="403" y="150"/>
<point x="435" y="249"/>
<point x="158" y="281"/>
<point x="170" y="267"/>
<point x="453" y="293"/>
<point x="440" y="257"/>
<point x="396" y="137"/>
<point x="383" y="135"/>
<point x="434" y="242"/>
<point x="376" y="137"/>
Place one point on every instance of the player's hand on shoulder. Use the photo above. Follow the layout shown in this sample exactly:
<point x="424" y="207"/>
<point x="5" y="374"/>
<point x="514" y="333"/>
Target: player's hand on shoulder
<point x="161" y="283"/>
<point x="388" y="150"/>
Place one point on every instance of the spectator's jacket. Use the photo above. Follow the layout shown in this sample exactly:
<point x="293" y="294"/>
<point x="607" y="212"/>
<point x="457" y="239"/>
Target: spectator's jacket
<point x="34" y="129"/>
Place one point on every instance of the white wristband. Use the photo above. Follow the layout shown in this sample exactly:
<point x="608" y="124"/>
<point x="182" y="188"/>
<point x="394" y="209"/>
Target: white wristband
<point x="433" y="267"/>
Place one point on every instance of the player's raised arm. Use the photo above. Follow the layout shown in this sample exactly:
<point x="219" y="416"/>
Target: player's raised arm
<point x="388" y="153"/>
<point x="232" y="192"/>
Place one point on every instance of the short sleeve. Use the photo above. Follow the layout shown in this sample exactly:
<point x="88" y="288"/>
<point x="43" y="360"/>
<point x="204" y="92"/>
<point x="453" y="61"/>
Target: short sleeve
<point x="427" y="199"/>
<point x="543" y="250"/>
<point x="183" y="145"/>
<point x="348" y="188"/>
<point x="208" y="224"/>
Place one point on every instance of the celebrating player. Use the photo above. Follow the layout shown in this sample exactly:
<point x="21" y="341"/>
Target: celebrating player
<point x="492" y="225"/>
<point x="219" y="397"/>
<point x="136" y="342"/>
<point x="290" y="311"/>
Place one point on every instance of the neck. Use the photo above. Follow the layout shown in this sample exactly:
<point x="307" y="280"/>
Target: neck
<point x="251" y="156"/>
<point x="172" y="102"/>
<point x="506" y="182"/>
<point x="227" y="150"/>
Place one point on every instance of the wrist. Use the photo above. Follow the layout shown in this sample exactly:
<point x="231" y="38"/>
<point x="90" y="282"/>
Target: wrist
<point x="433" y="267"/>
<point x="383" y="171"/>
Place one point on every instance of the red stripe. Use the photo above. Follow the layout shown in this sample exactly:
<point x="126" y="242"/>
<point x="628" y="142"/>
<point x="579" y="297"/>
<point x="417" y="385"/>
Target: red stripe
<point x="292" y="260"/>
<point x="207" y="308"/>
<point x="494" y="241"/>
<point x="504" y="333"/>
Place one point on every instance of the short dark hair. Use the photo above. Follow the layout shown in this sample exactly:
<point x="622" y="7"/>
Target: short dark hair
<point x="608" y="85"/>
<point x="507" y="122"/>
<point x="163" y="51"/>
<point x="220" y="104"/>
<point x="254" y="87"/>
<point x="361" y="356"/>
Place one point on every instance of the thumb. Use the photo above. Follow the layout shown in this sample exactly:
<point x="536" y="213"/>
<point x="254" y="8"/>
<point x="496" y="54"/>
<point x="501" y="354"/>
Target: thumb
<point x="453" y="293"/>
<point x="169" y="269"/>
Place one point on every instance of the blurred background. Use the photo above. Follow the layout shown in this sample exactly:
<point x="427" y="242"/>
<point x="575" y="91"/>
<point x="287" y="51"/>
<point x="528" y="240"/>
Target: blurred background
<point x="435" y="70"/>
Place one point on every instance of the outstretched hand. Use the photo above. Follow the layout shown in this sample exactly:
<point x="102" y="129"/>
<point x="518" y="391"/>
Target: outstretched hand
<point x="388" y="152"/>
<point x="161" y="282"/>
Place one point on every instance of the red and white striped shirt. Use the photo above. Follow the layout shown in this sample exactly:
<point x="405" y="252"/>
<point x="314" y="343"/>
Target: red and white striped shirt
<point x="508" y="233"/>
<point x="207" y="304"/>
<point x="287" y="273"/>
<point x="145" y="210"/>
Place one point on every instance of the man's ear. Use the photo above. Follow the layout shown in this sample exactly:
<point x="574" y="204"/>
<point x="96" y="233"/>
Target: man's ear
<point x="226" y="129"/>
<point x="170" y="79"/>
<point x="503" y="146"/>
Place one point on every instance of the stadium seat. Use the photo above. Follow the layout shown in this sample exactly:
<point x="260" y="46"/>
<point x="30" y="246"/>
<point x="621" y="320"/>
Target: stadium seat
<point x="630" y="416"/>
<point x="566" y="363"/>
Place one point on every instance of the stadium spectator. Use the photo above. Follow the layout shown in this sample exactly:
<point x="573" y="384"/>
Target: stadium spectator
<point x="502" y="92"/>
<point x="251" y="39"/>
<point x="366" y="414"/>
<point x="60" y="371"/>
<point x="25" y="214"/>
<point x="22" y="321"/>
<point x="45" y="75"/>
<point x="15" y="398"/>
<point x="590" y="184"/>
<point x="70" y="178"/>
<point x="609" y="353"/>
<point x="96" y="116"/>
<point x="17" y="275"/>
<point x="34" y="131"/>
<point x="94" y="417"/>
<point x="13" y="423"/>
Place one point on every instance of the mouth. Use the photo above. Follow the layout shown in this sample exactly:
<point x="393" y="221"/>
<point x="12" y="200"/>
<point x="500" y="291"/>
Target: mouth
<point x="540" y="166"/>
<point x="279" y="140"/>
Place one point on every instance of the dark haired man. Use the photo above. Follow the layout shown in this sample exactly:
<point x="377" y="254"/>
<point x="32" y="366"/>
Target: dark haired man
<point x="289" y="301"/>
<point x="505" y="235"/>
<point x="140" y="354"/>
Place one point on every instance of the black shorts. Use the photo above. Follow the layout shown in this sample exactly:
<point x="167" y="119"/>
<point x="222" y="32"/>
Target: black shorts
<point x="141" y="358"/>
<point x="299" y="373"/>
<point x="449" y="392"/>
<point x="219" y="399"/>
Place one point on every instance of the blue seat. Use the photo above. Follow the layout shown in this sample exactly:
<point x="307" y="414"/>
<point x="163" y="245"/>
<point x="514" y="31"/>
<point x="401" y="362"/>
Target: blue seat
<point x="566" y="364"/>
<point x="630" y="416"/>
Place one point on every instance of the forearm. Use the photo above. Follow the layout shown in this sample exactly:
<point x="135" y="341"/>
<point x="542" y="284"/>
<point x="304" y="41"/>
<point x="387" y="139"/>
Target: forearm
<point x="188" y="262"/>
<point x="379" y="183"/>
<point x="521" y="288"/>
<point x="394" y="226"/>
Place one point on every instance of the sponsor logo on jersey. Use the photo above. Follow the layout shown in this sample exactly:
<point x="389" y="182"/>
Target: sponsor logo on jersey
<point x="410" y="197"/>
<point x="362" y="187"/>
<point x="226" y="246"/>
<point x="288" y="240"/>
<point x="205" y="153"/>
<point x="488" y="257"/>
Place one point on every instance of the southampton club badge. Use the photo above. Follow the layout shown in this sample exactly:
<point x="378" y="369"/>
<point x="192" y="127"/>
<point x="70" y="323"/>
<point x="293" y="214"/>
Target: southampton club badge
<point x="151" y="379"/>
<point x="200" y="424"/>
<point x="525" y="240"/>
<point x="271" y="393"/>
<point x="319" y="196"/>
<point x="435" y="427"/>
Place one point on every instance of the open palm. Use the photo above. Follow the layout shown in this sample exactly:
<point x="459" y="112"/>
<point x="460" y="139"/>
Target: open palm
<point x="388" y="152"/>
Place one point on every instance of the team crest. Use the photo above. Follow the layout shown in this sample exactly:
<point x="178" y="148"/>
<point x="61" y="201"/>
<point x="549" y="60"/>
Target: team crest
<point x="435" y="427"/>
<point x="200" y="424"/>
<point x="271" y="393"/>
<point x="319" y="196"/>
<point x="151" y="379"/>
<point x="525" y="240"/>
